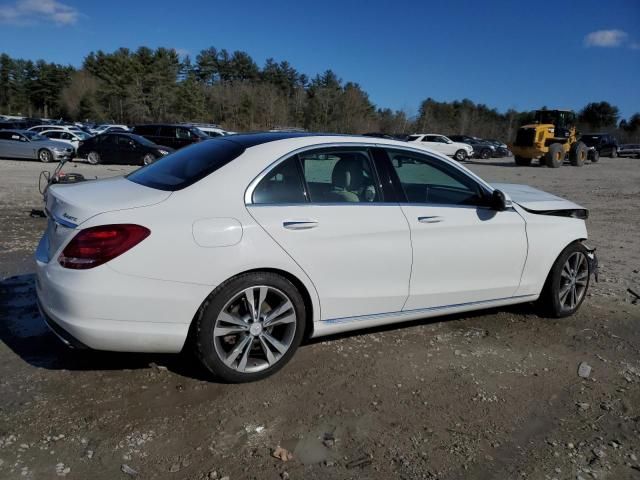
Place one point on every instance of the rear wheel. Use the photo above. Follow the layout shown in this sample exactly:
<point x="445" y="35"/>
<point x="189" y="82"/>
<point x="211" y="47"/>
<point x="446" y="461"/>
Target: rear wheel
<point x="93" y="158"/>
<point x="250" y="327"/>
<point x="567" y="283"/>
<point x="522" y="162"/>
<point x="578" y="154"/>
<point x="460" y="155"/>
<point x="485" y="154"/>
<point x="45" y="155"/>
<point x="555" y="156"/>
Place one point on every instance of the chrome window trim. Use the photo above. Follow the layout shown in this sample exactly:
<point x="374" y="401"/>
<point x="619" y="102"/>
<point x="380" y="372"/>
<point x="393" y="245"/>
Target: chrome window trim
<point x="248" y="193"/>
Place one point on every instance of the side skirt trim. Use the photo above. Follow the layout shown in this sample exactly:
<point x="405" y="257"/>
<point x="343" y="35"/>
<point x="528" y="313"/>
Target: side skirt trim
<point x="418" y="311"/>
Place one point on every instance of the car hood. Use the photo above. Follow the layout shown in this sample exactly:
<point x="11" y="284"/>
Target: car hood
<point x="464" y="146"/>
<point x="536" y="200"/>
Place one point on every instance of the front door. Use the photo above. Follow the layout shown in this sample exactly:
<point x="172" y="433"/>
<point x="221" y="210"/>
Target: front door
<point x="463" y="251"/>
<point x="326" y="210"/>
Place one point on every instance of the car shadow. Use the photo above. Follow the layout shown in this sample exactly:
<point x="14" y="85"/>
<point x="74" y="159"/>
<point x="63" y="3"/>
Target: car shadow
<point x="23" y="330"/>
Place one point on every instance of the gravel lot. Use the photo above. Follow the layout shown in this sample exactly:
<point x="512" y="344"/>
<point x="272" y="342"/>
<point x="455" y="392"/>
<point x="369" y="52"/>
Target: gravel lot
<point x="494" y="394"/>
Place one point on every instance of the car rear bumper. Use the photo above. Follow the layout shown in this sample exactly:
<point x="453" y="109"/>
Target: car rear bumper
<point x="106" y="310"/>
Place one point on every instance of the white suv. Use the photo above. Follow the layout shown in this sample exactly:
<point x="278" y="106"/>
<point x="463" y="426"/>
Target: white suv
<point x="444" y="145"/>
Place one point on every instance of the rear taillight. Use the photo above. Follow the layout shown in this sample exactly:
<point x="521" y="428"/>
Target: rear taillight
<point x="97" y="245"/>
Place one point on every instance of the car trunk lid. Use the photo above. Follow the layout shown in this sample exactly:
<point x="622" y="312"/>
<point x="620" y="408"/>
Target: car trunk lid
<point x="69" y="206"/>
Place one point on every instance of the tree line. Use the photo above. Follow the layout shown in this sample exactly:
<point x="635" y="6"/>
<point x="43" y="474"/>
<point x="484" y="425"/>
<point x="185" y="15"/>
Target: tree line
<point x="218" y="86"/>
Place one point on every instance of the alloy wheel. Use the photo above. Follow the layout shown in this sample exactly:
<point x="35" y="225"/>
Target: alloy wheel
<point x="255" y="329"/>
<point x="573" y="281"/>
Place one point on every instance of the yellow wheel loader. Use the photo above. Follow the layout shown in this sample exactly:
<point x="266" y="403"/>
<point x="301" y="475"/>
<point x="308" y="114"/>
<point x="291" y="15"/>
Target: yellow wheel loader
<point x="551" y="139"/>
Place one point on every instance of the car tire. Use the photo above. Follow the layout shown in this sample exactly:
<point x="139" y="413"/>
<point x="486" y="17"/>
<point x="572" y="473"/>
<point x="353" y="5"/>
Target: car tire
<point x="614" y="153"/>
<point x="595" y="157"/>
<point x="522" y="162"/>
<point x="148" y="159"/>
<point x="227" y="340"/>
<point x="485" y="154"/>
<point x="44" y="155"/>
<point x="552" y="300"/>
<point x="555" y="156"/>
<point x="94" y="158"/>
<point x="578" y="154"/>
<point x="460" y="155"/>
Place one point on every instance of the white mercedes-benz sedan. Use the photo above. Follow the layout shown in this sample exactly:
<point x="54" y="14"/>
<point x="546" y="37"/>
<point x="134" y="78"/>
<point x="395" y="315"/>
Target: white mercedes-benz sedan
<point x="240" y="247"/>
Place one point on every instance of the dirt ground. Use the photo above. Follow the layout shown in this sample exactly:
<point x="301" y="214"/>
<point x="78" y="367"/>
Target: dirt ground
<point x="489" y="395"/>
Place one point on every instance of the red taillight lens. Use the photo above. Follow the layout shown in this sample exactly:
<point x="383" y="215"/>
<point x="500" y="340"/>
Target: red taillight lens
<point x="97" y="245"/>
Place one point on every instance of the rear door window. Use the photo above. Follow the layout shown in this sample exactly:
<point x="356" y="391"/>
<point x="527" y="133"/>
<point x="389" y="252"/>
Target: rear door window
<point x="167" y="132"/>
<point x="283" y="184"/>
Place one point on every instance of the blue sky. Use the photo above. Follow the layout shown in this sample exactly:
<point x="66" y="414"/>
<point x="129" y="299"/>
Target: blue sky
<point x="503" y="53"/>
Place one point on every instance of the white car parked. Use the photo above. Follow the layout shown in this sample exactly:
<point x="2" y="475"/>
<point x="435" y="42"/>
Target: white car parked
<point x="108" y="127"/>
<point x="72" y="137"/>
<point x="444" y="145"/>
<point x="64" y="128"/>
<point x="241" y="246"/>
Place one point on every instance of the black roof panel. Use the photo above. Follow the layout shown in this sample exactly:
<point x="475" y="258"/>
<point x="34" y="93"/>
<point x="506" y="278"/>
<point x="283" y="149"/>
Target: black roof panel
<point x="248" y="140"/>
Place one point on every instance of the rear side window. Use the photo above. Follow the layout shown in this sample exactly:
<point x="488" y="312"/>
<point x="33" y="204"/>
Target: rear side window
<point x="186" y="166"/>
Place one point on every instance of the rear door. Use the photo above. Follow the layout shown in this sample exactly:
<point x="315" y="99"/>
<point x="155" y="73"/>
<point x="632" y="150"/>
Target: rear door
<point x="167" y="137"/>
<point x="108" y="148"/>
<point x="325" y="208"/>
<point x="463" y="251"/>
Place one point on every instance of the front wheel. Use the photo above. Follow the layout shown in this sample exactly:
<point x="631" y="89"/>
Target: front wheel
<point x="555" y="156"/>
<point x="148" y="159"/>
<point x="485" y="154"/>
<point x="567" y="283"/>
<point x="45" y="155"/>
<point x="614" y="153"/>
<point x="595" y="156"/>
<point x="250" y="327"/>
<point x="93" y="158"/>
<point x="460" y="155"/>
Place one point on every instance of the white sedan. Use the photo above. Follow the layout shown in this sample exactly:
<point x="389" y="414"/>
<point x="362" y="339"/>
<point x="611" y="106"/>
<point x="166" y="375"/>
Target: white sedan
<point x="240" y="247"/>
<point x="71" y="137"/>
<point x="442" y="144"/>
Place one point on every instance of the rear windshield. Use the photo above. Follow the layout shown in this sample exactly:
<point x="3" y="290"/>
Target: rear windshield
<point x="188" y="165"/>
<point x="413" y="138"/>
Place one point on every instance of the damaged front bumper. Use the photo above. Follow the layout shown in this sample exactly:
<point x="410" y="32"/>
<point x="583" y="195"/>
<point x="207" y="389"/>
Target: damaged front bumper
<point x="593" y="261"/>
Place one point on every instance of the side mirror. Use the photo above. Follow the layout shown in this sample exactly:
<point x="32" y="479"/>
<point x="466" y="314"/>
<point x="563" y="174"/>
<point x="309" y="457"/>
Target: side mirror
<point x="499" y="201"/>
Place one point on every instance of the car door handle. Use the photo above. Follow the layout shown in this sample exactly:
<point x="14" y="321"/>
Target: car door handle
<point x="431" y="219"/>
<point x="299" y="224"/>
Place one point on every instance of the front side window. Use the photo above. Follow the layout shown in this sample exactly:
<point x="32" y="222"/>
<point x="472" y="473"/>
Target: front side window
<point x="427" y="180"/>
<point x="282" y="185"/>
<point x="335" y="176"/>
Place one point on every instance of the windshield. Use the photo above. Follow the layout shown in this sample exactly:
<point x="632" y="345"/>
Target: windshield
<point x="186" y="166"/>
<point x="82" y="135"/>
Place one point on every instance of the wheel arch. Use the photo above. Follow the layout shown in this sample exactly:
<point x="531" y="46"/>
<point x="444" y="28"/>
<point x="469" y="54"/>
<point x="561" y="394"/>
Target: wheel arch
<point x="299" y="284"/>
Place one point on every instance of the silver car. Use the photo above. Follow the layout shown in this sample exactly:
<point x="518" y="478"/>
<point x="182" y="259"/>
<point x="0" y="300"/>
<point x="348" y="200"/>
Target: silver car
<point x="26" y="144"/>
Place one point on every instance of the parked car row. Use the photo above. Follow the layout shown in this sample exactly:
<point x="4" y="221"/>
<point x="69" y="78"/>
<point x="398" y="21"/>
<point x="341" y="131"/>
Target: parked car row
<point x="461" y="147"/>
<point x="106" y="143"/>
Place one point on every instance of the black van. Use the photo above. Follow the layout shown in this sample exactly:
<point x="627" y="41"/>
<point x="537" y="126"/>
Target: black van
<point x="605" y="144"/>
<point x="174" y="136"/>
